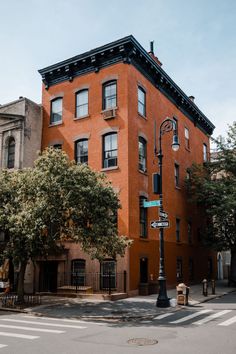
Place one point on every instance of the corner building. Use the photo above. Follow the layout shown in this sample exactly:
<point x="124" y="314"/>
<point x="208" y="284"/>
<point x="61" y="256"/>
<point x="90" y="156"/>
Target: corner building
<point x="100" y="108"/>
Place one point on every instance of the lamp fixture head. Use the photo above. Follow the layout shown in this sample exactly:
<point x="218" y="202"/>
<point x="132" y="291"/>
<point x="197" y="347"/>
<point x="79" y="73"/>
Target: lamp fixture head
<point x="175" y="143"/>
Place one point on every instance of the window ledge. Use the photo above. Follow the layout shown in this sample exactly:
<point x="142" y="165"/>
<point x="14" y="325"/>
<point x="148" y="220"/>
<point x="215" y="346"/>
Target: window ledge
<point x="142" y="116"/>
<point x="179" y="243"/>
<point x="145" y="239"/>
<point x="178" y="188"/>
<point x="110" y="168"/>
<point x="55" y="124"/>
<point x="143" y="172"/>
<point x="83" y="117"/>
<point x="108" y="109"/>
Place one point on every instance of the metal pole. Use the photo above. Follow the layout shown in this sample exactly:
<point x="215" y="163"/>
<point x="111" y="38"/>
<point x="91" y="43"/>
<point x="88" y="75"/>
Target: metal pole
<point x="162" y="300"/>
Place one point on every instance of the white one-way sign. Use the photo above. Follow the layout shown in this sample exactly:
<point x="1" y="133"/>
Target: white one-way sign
<point x="157" y="224"/>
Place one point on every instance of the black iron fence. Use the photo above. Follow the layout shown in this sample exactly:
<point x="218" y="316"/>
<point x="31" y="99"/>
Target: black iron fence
<point x="109" y="282"/>
<point x="12" y="300"/>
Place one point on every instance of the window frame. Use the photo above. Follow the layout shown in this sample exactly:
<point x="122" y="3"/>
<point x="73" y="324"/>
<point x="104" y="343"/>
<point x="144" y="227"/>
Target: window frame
<point x="11" y="155"/>
<point x="140" y="103"/>
<point x="190" y="231"/>
<point x="52" y="121"/>
<point x="177" y="175"/>
<point x="186" y="137"/>
<point x="142" y="166"/>
<point x="177" y="229"/>
<point x="205" y="157"/>
<point x="104" y="159"/>
<point x="143" y="219"/>
<point x="104" y="97"/>
<point x="179" y="268"/>
<point x="76" y="151"/>
<point x="77" y="116"/>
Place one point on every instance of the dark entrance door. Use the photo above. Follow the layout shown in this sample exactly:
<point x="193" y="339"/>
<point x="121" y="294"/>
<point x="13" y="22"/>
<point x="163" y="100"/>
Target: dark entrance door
<point x="48" y="276"/>
<point x="143" y="270"/>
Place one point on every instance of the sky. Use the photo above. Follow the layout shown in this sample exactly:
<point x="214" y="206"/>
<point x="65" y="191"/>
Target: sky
<point x="195" y="41"/>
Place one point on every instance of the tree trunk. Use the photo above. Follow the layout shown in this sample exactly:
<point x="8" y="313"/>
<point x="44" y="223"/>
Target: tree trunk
<point x="21" y="278"/>
<point x="233" y="266"/>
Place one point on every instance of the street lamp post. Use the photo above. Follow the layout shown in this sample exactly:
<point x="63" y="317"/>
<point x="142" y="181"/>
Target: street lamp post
<point x="166" y="126"/>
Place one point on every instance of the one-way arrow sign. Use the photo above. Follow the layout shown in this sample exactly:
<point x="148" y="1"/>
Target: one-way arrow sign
<point x="157" y="224"/>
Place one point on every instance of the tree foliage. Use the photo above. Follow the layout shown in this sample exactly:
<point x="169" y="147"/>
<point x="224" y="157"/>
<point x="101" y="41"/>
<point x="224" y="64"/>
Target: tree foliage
<point x="213" y="186"/>
<point x="56" y="201"/>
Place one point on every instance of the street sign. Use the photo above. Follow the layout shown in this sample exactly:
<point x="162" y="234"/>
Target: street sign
<point x="157" y="224"/>
<point x="151" y="203"/>
<point x="163" y="214"/>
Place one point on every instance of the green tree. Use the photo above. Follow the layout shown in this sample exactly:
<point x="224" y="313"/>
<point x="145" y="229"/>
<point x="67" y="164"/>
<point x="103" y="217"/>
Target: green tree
<point x="55" y="201"/>
<point x="213" y="186"/>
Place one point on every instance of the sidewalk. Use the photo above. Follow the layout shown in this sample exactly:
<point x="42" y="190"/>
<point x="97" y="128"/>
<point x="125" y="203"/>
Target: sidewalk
<point x="126" y="309"/>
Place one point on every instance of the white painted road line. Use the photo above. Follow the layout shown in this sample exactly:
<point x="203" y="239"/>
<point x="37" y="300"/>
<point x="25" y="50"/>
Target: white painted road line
<point x="42" y="323"/>
<point x="163" y="316"/>
<point x="33" y="329"/>
<point x="61" y="320"/>
<point x="16" y="335"/>
<point x="228" y="322"/>
<point x="186" y="318"/>
<point x="3" y="345"/>
<point x="211" y="317"/>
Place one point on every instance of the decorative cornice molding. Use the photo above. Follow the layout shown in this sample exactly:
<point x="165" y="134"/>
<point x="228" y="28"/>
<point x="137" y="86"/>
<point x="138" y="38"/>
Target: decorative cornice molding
<point x="129" y="51"/>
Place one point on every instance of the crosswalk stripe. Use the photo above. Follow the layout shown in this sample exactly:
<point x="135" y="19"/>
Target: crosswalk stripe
<point x="42" y="323"/>
<point x="186" y="318"/>
<point x="33" y="329"/>
<point x="228" y="322"/>
<point x="160" y="317"/>
<point x="211" y="317"/>
<point x="16" y="335"/>
<point x="62" y="320"/>
<point x="3" y="345"/>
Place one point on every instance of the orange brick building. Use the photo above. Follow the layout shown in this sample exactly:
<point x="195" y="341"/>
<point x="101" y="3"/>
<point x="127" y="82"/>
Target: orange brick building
<point x="100" y="107"/>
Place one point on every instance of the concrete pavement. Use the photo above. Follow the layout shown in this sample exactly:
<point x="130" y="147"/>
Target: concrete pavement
<point x="126" y="309"/>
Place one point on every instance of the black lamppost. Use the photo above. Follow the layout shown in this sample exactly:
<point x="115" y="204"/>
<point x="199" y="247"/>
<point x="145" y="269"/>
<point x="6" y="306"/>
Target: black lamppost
<point x="166" y="126"/>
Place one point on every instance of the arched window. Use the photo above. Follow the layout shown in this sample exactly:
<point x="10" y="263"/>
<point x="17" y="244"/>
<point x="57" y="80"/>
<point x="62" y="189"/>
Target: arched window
<point x="142" y="149"/>
<point x="82" y="103"/>
<point x="81" y="151"/>
<point x="109" y="95"/>
<point x="11" y="153"/>
<point x="110" y="150"/>
<point x="56" y="111"/>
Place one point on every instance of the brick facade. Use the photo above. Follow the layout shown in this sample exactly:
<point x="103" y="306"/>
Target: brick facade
<point x="127" y="179"/>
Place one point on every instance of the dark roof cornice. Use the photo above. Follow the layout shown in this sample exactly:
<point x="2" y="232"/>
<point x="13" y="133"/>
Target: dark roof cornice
<point x="126" y="50"/>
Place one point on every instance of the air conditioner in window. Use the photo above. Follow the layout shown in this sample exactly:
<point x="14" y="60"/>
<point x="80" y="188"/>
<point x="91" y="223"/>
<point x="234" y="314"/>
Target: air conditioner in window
<point x="109" y="113"/>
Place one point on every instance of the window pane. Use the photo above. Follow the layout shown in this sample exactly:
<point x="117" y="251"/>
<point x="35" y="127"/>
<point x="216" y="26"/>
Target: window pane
<point x="82" y="103"/>
<point x="141" y="101"/>
<point x="110" y="150"/>
<point x="142" y="218"/>
<point x="109" y="94"/>
<point x="142" y="154"/>
<point x="82" y="151"/>
<point x="11" y="153"/>
<point x="56" y="110"/>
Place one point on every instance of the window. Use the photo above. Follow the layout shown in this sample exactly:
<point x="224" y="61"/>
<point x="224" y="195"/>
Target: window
<point x="11" y="153"/>
<point x="108" y="274"/>
<point x="186" y="134"/>
<point x="189" y="232"/>
<point x="142" y="218"/>
<point x="82" y="103"/>
<point x="204" y="152"/>
<point x="179" y="269"/>
<point x="2" y="236"/>
<point x="141" y="101"/>
<point x="56" y="111"/>
<point x="188" y="174"/>
<point x="109" y="95"/>
<point x="110" y="150"/>
<point x="142" y="151"/>
<point x="176" y="175"/>
<point x="191" y="269"/>
<point x="81" y="151"/>
<point x="177" y="230"/>
<point x="78" y="272"/>
<point x="57" y="146"/>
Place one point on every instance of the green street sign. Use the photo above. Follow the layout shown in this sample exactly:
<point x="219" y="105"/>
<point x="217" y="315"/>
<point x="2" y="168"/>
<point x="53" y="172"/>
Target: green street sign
<point x="151" y="203"/>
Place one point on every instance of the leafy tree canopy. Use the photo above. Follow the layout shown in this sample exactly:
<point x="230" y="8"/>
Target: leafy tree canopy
<point x="213" y="186"/>
<point x="56" y="201"/>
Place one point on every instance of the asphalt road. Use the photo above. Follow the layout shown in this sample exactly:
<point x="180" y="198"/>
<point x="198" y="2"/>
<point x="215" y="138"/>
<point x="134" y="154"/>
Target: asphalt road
<point x="208" y="328"/>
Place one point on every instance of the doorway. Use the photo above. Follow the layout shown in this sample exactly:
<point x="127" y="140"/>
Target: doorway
<point x="48" y="276"/>
<point x="143" y="270"/>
